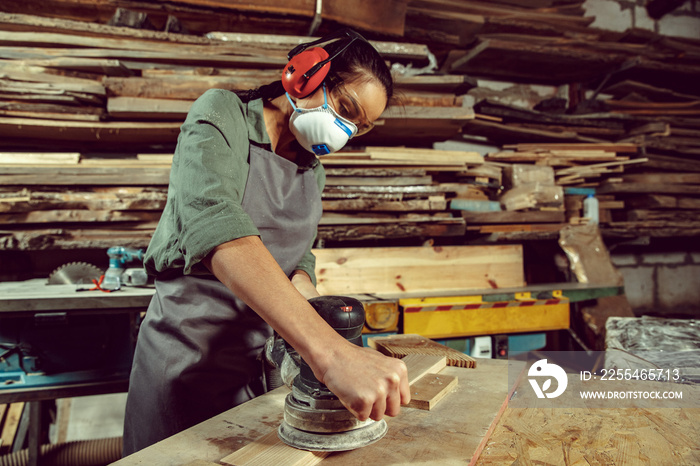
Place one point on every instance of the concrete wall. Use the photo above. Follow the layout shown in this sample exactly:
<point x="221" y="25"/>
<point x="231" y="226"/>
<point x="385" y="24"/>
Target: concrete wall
<point x="620" y="15"/>
<point x="661" y="283"/>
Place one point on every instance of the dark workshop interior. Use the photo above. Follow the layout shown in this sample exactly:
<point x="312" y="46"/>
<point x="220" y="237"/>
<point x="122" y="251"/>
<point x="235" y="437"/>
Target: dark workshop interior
<point x="531" y="192"/>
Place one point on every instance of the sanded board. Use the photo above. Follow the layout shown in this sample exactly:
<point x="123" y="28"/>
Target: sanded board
<point x="430" y="389"/>
<point x="398" y="346"/>
<point x="269" y="450"/>
<point x="419" y="365"/>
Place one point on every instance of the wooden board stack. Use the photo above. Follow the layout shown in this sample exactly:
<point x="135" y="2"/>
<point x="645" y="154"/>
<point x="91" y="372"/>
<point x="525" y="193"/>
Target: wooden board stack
<point x="71" y="83"/>
<point x="394" y="192"/>
<point x="69" y="200"/>
<point x="74" y="86"/>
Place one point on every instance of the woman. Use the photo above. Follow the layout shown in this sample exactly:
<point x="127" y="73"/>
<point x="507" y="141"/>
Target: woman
<point x="232" y="252"/>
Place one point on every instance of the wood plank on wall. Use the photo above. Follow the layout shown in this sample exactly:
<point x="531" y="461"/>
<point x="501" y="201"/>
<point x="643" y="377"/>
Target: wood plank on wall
<point x="416" y="269"/>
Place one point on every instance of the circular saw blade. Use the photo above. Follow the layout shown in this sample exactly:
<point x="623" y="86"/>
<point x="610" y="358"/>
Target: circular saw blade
<point x="74" y="273"/>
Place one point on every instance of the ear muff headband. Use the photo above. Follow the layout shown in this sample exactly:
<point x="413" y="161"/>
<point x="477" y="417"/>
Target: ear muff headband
<point x="307" y="69"/>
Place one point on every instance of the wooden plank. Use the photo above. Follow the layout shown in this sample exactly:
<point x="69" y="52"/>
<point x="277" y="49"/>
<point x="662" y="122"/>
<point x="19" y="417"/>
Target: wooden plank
<point x="102" y="132"/>
<point x="657" y="178"/>
<point x="64" y="175"/>
<point x="148" y="109"/>
<point x="428" y="391"/>
<point x="582" y="170"/>
<point x="626" y="87"/>
<point x="661" y="201"/>
<point x="105" y="199"/>
<point x="269" y="450"/>
<point x="377" y="181"/>
<point x="410" y="269"/>
<point x="419" y="365"/>
<point x="532" y="216"/>
<point x="83" y="216"/>
<point x="11" y="425"/>
<point x="376" y="205"/>
<point x="25" y="158"/>
<point x="383" y="231"/>
<point x="607" y="147"/>
<point x="660" y="188"/>
<point x="426" y="156"/>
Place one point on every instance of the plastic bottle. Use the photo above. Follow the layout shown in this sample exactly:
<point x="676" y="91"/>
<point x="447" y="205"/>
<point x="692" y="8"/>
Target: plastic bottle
<point x="590" y="208"/>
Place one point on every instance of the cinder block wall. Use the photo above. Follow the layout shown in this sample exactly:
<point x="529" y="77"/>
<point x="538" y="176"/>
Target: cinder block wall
<point x="620" y="15"/>
<point x="661" y="283"/>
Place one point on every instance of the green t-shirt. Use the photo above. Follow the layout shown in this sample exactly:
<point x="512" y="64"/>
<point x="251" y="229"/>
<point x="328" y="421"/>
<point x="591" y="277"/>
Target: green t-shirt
<point x="207" y="182"/>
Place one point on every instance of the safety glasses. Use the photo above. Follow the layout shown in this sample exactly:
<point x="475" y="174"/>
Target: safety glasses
<point x="348" y="107"/>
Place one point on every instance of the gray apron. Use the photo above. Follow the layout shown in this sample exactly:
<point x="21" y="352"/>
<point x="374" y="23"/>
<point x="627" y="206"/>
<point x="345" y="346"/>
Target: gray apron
<point x="198" y="346"/>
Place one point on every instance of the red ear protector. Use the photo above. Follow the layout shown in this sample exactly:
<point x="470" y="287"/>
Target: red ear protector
<point x="307" y="69"/>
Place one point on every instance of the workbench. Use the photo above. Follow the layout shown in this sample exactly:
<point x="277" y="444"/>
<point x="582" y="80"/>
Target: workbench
<point x="449" y="434"/>
<point x="472" y="425"/>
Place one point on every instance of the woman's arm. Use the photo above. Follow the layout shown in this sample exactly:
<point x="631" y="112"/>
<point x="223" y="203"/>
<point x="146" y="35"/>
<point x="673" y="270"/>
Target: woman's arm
<point x="368" y="383"/>
<point x="303" y="284"/>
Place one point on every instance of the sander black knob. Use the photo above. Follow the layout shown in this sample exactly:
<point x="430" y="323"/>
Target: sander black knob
<point x="347" y="316"/>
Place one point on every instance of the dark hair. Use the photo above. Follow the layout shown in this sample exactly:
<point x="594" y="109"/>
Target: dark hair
<point x="359" y="59"/>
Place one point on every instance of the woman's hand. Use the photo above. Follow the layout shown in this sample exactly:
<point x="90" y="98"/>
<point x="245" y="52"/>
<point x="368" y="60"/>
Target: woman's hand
<point x="369" y="384"/>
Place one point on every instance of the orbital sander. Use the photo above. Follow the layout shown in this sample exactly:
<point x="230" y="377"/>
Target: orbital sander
<point x="314" y="418"/>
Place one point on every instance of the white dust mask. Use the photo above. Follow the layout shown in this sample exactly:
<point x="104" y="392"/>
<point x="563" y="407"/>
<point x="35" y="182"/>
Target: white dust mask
<point x="320" y="130"/>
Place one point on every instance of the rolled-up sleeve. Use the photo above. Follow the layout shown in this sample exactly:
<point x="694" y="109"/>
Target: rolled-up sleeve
<point x="207" y="182"/>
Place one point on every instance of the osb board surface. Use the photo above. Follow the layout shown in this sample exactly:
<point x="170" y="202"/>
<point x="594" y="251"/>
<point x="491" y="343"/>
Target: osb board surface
<point x="450" y="434"/>
<point x="644" y="432"/>
<point x="580" y="436"/>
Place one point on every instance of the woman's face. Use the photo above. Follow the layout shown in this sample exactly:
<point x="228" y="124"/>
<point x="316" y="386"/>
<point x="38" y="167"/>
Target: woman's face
<point x="360" y="101"/>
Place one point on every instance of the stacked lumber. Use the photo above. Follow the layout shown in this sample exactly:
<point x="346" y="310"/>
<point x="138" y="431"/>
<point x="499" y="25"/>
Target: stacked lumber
<point x="72" y="83"/>
<point x="73" y="200"/>
<point x="635" y="89"/>
<point x="62" y="201"/>
<point x="657" y="204"/>
<point x="103" y="88"/>
<point x="576" y="164"/>
<point x="393" y="192"/>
